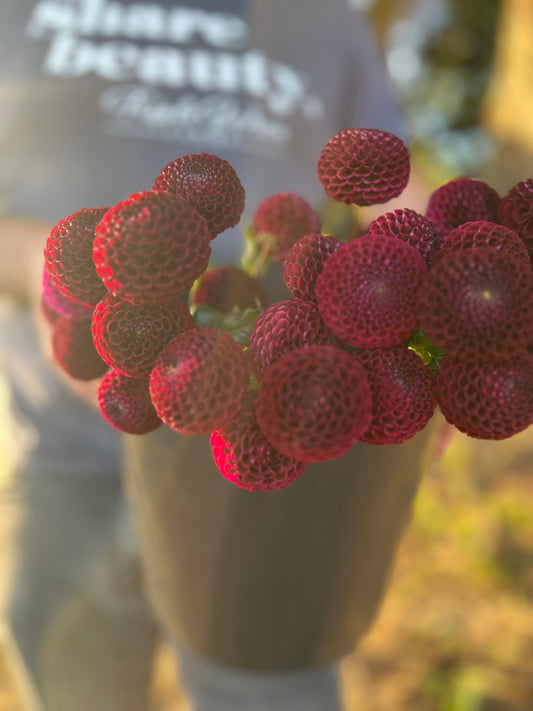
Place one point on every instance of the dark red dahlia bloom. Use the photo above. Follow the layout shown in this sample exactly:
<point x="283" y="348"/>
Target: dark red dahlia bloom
<point x="305" y="261"/>
<point x="74" y="351"/>
<point x="69" y="257"/>
<point x="462" y="200"/>
<point x="369" y="291"/>
<point x="245" y="457"/>
<point x="210" y="184"/>
<point x="516" y="211"/>
<point x="411" y="227"/>
<point x="151" y="247"/>
<point x="482" y="233"/>
<point x="125" y="403"/>
<point x="198" y="380"/>
<point x="228" y="288"/>
<point x="314" y="403"/>
<point x="55" y="302"/>
<point x="478" y="301"/>
<point x="281" y="220"/>
<point x="282" y="327"/>
<point x="129" y="337"/>
<point x="403" y="394"/>
<point x="364" y="166"/>
<point x="489" y="398"/>
<point x="50" y="315"/>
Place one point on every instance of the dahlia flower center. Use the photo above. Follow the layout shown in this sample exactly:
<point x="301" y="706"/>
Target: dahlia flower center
<point x="482" y="296"/>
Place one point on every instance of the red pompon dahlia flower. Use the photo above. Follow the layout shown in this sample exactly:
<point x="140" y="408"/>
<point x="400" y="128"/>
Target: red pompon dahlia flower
<point x="369" y="291"/>
<point x="411" y="227"/>
<point x="314" y="403"/>
<point x="490" y="398"/>
<point x="50" y="315"/>
<point x="481" y="233"/>
<point x="228" y="288"/>
<point x="403" y="394"/>
<point x="281" y="220"/>
<point x="245" y="457"/>
<point x="462" y="200"/>
<point x="286" y="325"/>
<point x="74" y="351"/>
<point x="69" y="257"/>
<point x="129" y="337"/>
<point x="151" y="247"/>
<point x="364" y="166"/>
<point x="125" y="403"/>
<point x="210" y="184"/>
<point x="54" y="301"/>
<point x="199" y="380"/>
<point x="305" y="261"/>
<point x="516" y="211"/>
<point x="478" y="301"/>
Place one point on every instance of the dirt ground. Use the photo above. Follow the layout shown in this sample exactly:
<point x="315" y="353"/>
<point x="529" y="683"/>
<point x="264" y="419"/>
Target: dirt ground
<point x="455" y="632"/>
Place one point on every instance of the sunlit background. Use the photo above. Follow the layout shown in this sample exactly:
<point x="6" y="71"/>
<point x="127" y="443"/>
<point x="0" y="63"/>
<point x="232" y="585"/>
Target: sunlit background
<point x="456" y="630"/>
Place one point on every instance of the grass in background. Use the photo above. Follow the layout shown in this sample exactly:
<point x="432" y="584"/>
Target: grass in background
<point x="456" y="630"/>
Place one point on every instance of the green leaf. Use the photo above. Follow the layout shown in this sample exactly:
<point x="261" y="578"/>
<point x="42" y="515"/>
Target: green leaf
<point x="431" y="355"/>
<point x="258" y="252"/>
<point x="239" y="324"/>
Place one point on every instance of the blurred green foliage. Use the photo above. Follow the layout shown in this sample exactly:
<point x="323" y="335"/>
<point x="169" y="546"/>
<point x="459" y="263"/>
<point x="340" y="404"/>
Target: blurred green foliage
<point x="440" y="56"/>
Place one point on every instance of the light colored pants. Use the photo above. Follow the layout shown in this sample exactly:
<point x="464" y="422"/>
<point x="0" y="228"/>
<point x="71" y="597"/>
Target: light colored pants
<point x="80" y="630"/>
<point x="216" y="687"/>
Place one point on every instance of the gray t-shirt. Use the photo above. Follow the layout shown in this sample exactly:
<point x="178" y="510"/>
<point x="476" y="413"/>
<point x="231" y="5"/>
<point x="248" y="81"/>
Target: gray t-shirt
<point x="96" y="96"/>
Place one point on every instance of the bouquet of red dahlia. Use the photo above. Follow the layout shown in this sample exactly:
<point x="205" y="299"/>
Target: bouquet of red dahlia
<point x="420" y="311"/>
